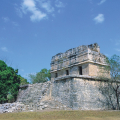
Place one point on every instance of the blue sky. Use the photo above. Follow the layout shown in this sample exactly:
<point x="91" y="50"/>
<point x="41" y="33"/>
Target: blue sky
<point x="32" y="31"/>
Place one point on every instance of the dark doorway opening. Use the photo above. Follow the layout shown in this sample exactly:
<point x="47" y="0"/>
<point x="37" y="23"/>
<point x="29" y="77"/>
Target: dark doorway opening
<point x="56" y="75"/>
<point x="67" y="72"/>
<point x="80" y="70"/>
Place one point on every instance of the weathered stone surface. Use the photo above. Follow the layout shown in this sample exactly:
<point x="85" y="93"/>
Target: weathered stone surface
<point x="79" y="93"/>
<point x="88" y="57"/>
<point x="74" y="93"/>
<point x="11" y="107"/>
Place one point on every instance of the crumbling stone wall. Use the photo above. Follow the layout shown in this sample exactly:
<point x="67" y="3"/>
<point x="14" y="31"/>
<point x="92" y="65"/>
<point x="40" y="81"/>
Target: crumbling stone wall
<point x="69" y="92"/>
<point x="33" y="93"/>
<point x="79" y="94"/>
<point x="38" y="97"/>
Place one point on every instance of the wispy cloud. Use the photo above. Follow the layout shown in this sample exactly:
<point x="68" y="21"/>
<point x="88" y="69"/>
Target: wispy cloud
<point x="117" y="42"/>
<point x="30" y="6"/>
<point x="47" y="6"/>
<point x="5" y="19"/>
<point x="4" y="49"/>
<point x="99" y="18"/>
<point x="117" y="50"/>
<point x="18" y="11"/>
<point x="101" y="2"/>
<point x="59" y="4"/>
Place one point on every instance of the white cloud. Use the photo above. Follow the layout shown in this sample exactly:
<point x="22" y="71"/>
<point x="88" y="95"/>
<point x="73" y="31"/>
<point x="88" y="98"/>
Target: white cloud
<point x="99" y="19"/>
<point x="59" y="4"/>
<point x="38" y="15"/>
<point x="4" y="49"/>
<point x="39" y="9"/>
<point x="6" y="19"/>
<point x="101" y="2"/>
<point x="29" y="5"/>
<point x="47" y="6"/>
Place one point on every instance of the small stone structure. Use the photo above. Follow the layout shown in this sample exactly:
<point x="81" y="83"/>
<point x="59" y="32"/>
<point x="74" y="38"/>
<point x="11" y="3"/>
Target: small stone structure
<point x="74" y="84"/>
<point x="82" y="60"/>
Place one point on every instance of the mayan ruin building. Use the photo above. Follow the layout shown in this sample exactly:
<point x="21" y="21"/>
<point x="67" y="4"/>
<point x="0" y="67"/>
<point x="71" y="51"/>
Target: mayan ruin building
<point x="74" y="82"/>
<point x="82" y="61"/>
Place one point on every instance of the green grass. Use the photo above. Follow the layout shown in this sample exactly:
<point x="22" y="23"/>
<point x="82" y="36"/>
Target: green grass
<point x="62" y="115"/>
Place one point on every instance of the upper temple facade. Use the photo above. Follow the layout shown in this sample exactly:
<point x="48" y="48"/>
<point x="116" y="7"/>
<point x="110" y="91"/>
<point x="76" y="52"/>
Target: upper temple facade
<point x="80" y="61"/>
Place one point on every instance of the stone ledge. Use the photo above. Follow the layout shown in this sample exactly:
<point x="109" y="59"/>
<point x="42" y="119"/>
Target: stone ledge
<point x="75" y="76"/>
<point x="23" y="86"/>
<point x="36" y="84"/>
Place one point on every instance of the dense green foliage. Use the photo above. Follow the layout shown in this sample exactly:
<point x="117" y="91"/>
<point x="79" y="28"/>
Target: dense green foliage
<point x="9" y="82"/>
<point x="42" y="76"/>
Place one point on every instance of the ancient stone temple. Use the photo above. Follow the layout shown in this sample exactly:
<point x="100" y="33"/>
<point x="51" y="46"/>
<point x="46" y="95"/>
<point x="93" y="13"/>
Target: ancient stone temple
<point x="74" y="77"/>
<point x="82" y="61"/>
<point x="74" y="82"/>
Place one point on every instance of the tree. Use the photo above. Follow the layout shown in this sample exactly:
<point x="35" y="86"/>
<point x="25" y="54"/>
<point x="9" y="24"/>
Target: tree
<point x="9" y="82"/>
<point x="42" y="76"/>
<point x="23" y="81"/>
<point x="110" y="87"/>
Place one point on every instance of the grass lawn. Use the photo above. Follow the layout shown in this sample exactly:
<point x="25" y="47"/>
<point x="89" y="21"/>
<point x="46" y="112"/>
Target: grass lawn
<point x="62" y="115"/>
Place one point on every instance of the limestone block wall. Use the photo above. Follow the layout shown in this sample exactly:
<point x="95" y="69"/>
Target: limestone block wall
<point x="97" y="70"/>
<point x="79" y="94"/>
<point x="93" y="69"/>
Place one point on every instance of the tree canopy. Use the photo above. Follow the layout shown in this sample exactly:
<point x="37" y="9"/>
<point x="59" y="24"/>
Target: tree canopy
<point x="42" y="76"/>
<point x="114" y="62"/>
<point x="9" y="82"/>
<point x="23" y="81"/>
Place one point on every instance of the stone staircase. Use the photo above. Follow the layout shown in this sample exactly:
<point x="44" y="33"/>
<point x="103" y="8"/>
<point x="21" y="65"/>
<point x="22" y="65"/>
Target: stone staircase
<point x="34" y="93"/>
<point x="37" y="97"/>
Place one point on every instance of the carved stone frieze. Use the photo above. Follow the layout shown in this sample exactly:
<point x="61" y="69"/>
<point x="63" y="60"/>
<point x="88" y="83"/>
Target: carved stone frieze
<point x="78" y="55"/>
